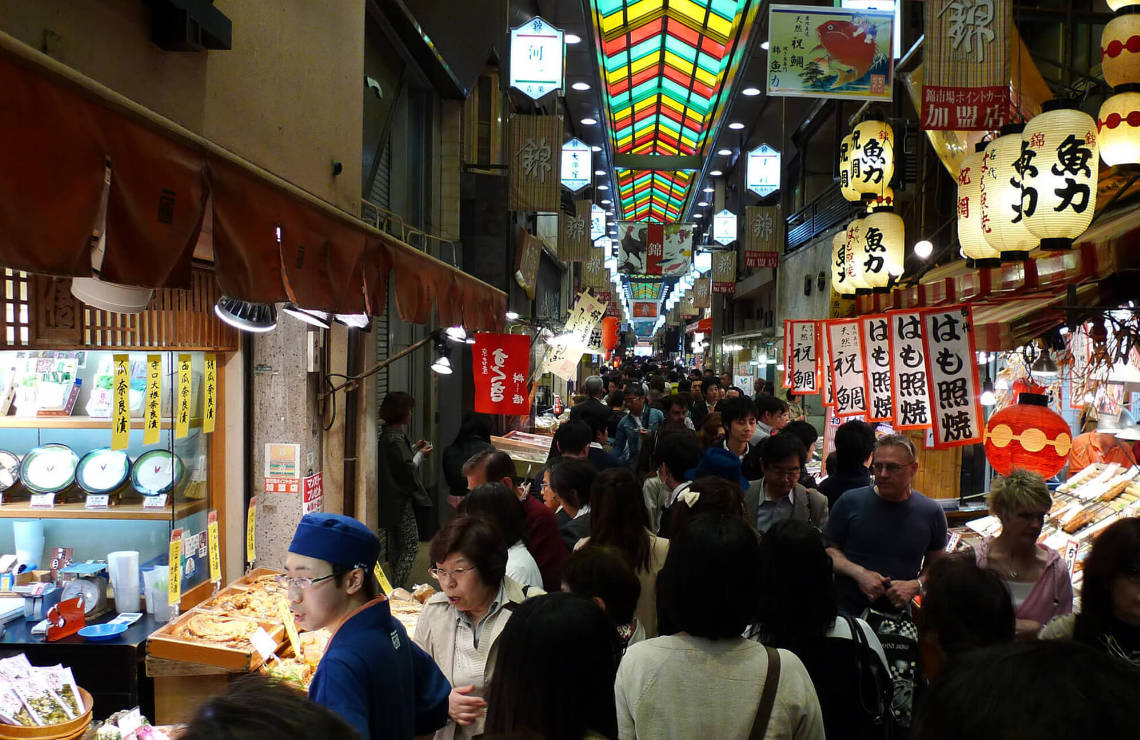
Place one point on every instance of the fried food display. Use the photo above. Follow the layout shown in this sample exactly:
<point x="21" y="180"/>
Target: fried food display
<point x="219" y="629"/>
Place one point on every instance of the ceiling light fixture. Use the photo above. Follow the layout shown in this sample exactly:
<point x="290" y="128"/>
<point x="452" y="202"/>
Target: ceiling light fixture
<point x="442" y="364"/>
<point x="589" y="121"/>
<point x="987" y="398"/>
<point x="580" y="86"/>
<point x="702" y="204"/>
<point x="724" y="152"/>
<point x="1044" y="365"/>
<point x="595" y="148"/>
<point x="600" y="173"/>
<point x="923" y="249"/>
<point x="764" y="45"/>
<point x="319" y="319"/>
<point x="606" y="202"/>
<point x="709" y="189"/>
<point x="247" y="316"/>
<point x="736" y="125"/>
<point x="354" y="320"/>
<point x="512" y="315"/>
<point x="572" y="38"/>
<point x="603" y="187"/>
<point x="715" y="173"/>
<point x="750" y="92"/>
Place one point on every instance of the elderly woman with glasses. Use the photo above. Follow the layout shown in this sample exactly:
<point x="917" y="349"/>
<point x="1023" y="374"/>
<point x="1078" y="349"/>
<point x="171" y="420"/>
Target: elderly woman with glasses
<point x="371" y="674"/>
<point x="460" y="626"/>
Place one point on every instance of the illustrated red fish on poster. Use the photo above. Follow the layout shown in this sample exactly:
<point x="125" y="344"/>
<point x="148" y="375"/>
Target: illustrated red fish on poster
<point x="500" y="365"/>
<point x="822" y="52"/>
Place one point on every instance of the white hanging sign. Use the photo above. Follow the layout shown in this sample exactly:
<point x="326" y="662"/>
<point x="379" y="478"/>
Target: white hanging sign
<point x="803" y="361"/>
<point x="536" y="58"/>
<point x="576" y="165"/>
<point x="956" y="409"/>
<point x="877" y="363"/>
<point x="724" y="227"/>
<point x="763" y="170"/>
<point x="597" y="223"/>
<point x="845" y="355"/>
<point x="909" y="380"/>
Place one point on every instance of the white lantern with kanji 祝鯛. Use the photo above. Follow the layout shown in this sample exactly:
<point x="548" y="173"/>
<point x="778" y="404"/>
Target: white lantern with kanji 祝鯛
<point x="873" y="157"/>
<point x="856" y="257"/>
<point x="970" y="236"/>
<point x="846" y="156"/>
<point x="884" y="248"/>
<point x="1060" y="176"/>
<point x="1118" y="129"/>
<point x="1004" y="227"/>
<point x="839" y="282"/>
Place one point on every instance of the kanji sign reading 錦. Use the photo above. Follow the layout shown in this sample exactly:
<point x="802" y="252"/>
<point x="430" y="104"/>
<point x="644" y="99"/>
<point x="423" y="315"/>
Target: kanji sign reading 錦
<point x="762" y="175"/>
<point x="802" y="359"/>
<point x="501" y="364"/>
<point x="955" y="409"/>
<point x="909" y="378"/>
<point x="724" y="272"/>
<point x="966" y="65"/>
<point x="534" y="145"/>
<point x="536" y="58"/>
<point x="877" y="364"/>
<point x="845" y="356"/>
<point x="763" y="236"/>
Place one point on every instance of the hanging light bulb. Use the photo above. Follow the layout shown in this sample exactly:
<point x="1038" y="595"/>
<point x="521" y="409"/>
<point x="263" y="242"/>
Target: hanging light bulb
<point x="976" y="250"/>
<point x="1044" y="366"/>
<point x="987" y="398"/>
<point x="923" y="248"/>
<point x="873" y="157"/>
<point x="512" y="316"/>
<point x="1002" y="384"/>
<point x="1059" y="186"/>
<point x="1002" y="197"/>
<point x="442" y="364"/>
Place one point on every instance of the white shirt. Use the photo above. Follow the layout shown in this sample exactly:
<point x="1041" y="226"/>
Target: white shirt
<point x="521" y="566"/>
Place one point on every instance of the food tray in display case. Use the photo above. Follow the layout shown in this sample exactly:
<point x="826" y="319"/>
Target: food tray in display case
<point x="156" y="472"/>
<point x="49" y="469"/>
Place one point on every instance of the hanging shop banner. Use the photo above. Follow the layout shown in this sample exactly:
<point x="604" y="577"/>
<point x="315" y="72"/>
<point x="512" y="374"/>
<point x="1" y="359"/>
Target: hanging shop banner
<point x="594" y="272"/>
<point x="251" y="532"/>
<point x="823" y="52"/>
<point x="211" y="385"/>
<point x="702" y="293"/>
<point x="788" y="353"/>
<point x="597" y="222"/>
<point x="562" y="358"/>
<point x="724" y="227"/>
<point x="638" y="252"/>
<point x="575" y="165"/>
<point x="214" y="547"/>
<point x="909" y="380"/>
<point x="645" y="309"/>
<point x="528" y="252"/>
<point x="686" y="307"/>
<point x="574" y="233"/>
<point x="533" y="145"/>
<point x="174" y="582"/>
<point x="1080" y="384"/>
<point x="762" y="175"/>
<point x="845" y="355"/>
<point x="956" y="410"/>
<point x="182" y="420"/>
<point x="763" y="236"/>
<point x="877" y="363"/>
<point x="152" y="424"/>
<point x="501" y="365"/>
<point x="724" y="272"/>
<point x="826" y="376"/>
<point x="121" y="424"/>
<point x="537" y="58"/>
<point x="803" y="357"/>
<point x="966" y="65"/>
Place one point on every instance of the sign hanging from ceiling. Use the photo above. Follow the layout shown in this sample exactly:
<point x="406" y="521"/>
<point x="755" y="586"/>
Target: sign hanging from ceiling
<point x="597" y="223"/>
<point x="966" y="68"/>
<point x="724" y="227"/>
<point x="654" y="249"/>
<point x="575" y="165"/>
<point x="823" y="52"/>
<point x="536" y="58"/>
<point x="763" y="171"/>
<point x="645" y="309"/>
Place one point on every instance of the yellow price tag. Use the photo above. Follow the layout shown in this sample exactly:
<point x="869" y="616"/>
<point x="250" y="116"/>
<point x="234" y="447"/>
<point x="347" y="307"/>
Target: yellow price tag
<point x="290" y="628"/>
<point x="174" y="585"/>
<point x="121" y="411"/>
<point x="383" y="579"/>
<point x="182" y="417"/>
<point x="250" y="529"/>
<point x="213" y="546"/>
<point x="210" y="383"/>
<point x="153" y="405"/>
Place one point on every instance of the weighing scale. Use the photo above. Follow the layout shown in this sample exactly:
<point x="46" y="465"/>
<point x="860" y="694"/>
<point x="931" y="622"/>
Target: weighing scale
<point x="88" y="580"/>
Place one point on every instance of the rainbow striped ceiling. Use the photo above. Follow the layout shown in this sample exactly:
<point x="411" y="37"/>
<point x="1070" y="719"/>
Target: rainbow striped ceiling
<point x="644" y="291"/>
<point x="664" y="65"/>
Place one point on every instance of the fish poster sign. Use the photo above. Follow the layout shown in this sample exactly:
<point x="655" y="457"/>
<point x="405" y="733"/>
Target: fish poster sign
<point x="823" y="52"/>
<point x="654" y="249"/>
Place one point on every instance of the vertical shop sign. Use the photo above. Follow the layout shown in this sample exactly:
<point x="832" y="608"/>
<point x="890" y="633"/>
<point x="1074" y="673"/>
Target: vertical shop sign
<point x="724" y="227"/>
<point x="877" y="363"/>
<point x="802" y="360"/>
<point x="174" y="581"/>
<point x="182" y="420"/>
<point x="537" y="57"/>
<point x="313" y="494"/>
<point x="956" y="410"/>
<point x="827" y="376"/>
<point x="535" y="151"/>
<point x="501" y="366"/>
<point x="210" y="381"/>
<point x="574" y="233"/>
<point x="762" y="175"/>
<point x="152" y="424"/>
<point x="845" y="355"/>
<point x="576" y="167"/>
<point x="966" y="70"/>
<point x="763" y="236"/>
<point x="213" y="544"/>
<point x="654" y="248"/>
<point x="909" y="380"/>
<point x="597" y="222"/>
<point x="251" y="532"/>
<point x="528" y="252"/>
<point x="121" y="422"/>
<point x="594" y="272"/>
<point x="724" y="272"/>
<point x="562" y="359"/>
<point x="702" y="293"/>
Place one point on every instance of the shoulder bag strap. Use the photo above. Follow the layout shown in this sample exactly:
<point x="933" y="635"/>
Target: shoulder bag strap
<point x="767" y="696"/>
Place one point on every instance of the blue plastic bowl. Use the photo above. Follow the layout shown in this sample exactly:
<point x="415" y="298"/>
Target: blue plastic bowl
<point x="102" y="632"/>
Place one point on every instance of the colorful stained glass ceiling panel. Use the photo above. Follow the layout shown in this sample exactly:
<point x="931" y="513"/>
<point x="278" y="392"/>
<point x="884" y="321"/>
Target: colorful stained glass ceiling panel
<point x="645" y="291"/>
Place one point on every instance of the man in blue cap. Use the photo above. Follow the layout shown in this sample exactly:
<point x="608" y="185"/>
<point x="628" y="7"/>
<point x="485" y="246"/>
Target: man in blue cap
<point x="371" y="674"/>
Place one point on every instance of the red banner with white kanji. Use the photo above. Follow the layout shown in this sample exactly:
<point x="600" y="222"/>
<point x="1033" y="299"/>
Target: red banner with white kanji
<point x="654" y="248"/>
<point x="501" y="364"/>
<point x="955" y="408"/>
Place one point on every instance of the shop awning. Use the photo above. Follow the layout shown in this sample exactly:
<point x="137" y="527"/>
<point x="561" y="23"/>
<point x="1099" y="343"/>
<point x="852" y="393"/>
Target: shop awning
<point x="60" y="135"/>
<point x="1003" y="326"/>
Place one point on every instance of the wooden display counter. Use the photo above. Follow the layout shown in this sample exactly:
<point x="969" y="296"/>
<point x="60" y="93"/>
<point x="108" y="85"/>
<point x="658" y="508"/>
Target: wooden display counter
<point x="528" y="450"/>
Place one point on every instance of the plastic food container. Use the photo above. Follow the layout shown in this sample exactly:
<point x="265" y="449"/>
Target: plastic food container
<point x="103" y="470"/>
<point x="9" y="470"/>
<point x="157" y="472"/>
<point x="49" y="469"/>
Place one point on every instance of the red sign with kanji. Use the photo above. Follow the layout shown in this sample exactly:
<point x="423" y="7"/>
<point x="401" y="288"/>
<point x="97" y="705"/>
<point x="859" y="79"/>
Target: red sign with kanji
<point x="654" y="248"/>
<point x="501" y="364"/>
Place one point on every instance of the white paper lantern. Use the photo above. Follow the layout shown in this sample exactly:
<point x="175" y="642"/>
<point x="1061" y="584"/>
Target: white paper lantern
<point x="1060" y="176"/>
<point x="846" y="156"/>
<point x="1118" y="126"/>
<point x="1120" y="50"/>
<point x="886" y="200"/>
<point x="970" y="236"/>
<point x="884" y="248"/>
<point x="839" y="282"/>
<point x="873" y="161"/>
<point x="1115" y="5"/>
<point x="1001" y="195"/>
<point x="855" y="257"/>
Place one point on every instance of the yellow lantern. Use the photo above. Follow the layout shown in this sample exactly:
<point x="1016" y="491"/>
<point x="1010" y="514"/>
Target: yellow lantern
<point x="873" y="160"/>
<point x="975" y="248"/>
<point x="855" y="257"/>
<point x="845" y="158"/>
<point x="1120" y="49"/>
<point x="839" y="282"/>
<point x="885" y="200"/>
<point x="1115" y="5"/>
<point x="1059" y="182"/>
<point x="884" y="248"/>
<point x="1118" y="126"/>
<point x="1001" y="197"/>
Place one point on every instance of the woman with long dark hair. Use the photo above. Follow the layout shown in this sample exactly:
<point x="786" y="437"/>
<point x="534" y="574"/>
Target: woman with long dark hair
<point x="618" y="519"/>
<point x="558" y="657"/>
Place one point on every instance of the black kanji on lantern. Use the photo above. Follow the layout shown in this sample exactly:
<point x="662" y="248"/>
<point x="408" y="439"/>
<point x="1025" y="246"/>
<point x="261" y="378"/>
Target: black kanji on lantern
<point x="1023" y="166"/>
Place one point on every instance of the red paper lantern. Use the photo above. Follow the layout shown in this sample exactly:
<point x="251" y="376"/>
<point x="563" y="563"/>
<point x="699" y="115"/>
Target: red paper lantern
<point x="609" y="334"/>
<point x="1028" y="435"/>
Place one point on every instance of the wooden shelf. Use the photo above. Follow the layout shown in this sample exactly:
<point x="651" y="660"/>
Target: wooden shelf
<point x="75" y="422"/>
<point x="74" y="510"/>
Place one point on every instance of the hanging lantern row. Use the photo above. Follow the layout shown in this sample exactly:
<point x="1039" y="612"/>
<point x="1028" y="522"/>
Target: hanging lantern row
<point x="1118" y="122"/>
<point x="867" y="161"/>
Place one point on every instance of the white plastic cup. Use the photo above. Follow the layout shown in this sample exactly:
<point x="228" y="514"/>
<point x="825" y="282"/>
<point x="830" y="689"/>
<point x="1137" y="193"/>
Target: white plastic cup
<point x="29" y="538"/>
<point x="124" y="569"/>
<point x="157" y="593"/>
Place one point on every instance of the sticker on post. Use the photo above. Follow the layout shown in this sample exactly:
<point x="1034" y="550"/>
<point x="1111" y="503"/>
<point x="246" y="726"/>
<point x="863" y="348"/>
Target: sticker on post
<point x="97" y="501"/>
<point x="265" y="645"/>
<point x="154" y="502"/>
<point x="43" y="500"/>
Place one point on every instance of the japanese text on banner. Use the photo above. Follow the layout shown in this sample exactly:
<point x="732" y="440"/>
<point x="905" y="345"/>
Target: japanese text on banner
<point x="182" y="418"/>
<point x="724" y="271"/>
<point x="763" y="236"/>
<point x="909" y="381"/>
<point x="804" y="358"/>
<point x="121" y="423"/>
<point x="501" y="366"/>
<point x="966" y="67"/>
<point x="213" y="543"/>
<point x="956" y="410"/>
<point x="251" y="531"/>
<point x="787" y="382"/>
<point x="562" y="359"/>
<point x="211" y="384"/>
<point x="153" y="407"/>
<point x="174" y="583"/>
<point x="845" y="354"/>
<point x="877" y="363"/>
<point x="827" y="376"/>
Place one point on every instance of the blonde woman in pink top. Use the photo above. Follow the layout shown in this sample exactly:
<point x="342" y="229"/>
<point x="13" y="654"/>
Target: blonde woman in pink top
<point x="1036" y="575"/>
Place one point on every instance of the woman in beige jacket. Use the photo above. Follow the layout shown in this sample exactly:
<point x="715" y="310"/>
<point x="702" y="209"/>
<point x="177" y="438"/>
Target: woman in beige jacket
<point x="460" y="626"/>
